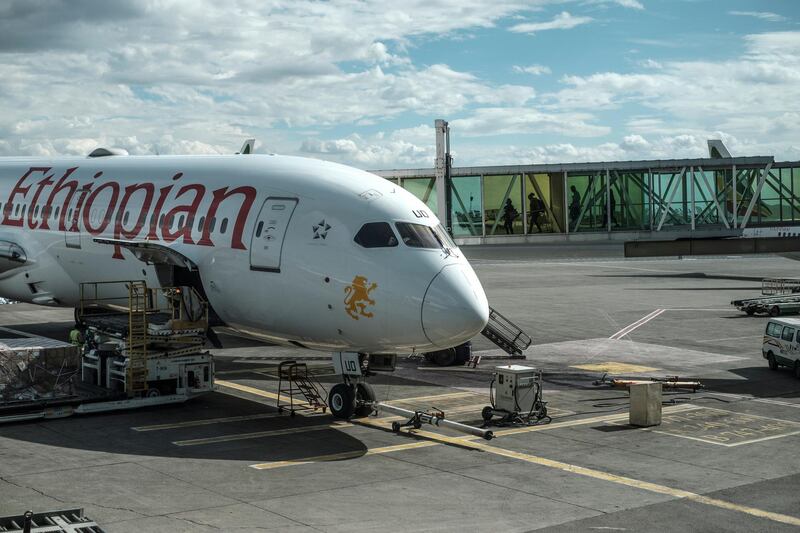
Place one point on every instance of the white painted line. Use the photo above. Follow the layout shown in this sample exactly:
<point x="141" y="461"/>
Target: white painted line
<point x="209" y="421"/>
<point x="641" y="322"/>
<point x="731" y="338"/>
<point x="698" y="309"/>
<point x="776" y="402"/>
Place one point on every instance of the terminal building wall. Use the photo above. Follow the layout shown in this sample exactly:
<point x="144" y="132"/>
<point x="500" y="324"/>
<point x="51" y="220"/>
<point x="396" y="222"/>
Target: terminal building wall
<point x="682" y="196"/>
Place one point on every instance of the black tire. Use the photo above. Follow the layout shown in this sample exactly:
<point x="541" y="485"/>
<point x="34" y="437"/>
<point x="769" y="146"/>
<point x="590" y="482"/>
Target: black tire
<point x="365" y="395"/>
<point x="750" y="311"/>
<point x="396" y="427"/>
<point x="342" y="401"/>
<point x="773" y="364"/>
<point x="487" y="414"/>
<point x="153" y="393"/>
<point x="445" y="357"/>
<point x="774" y="311"/>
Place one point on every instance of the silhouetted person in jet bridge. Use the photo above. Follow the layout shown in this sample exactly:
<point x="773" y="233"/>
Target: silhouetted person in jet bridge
<point x="612" y="208"/>
<point x="536" y="210"/>
<point x="509" y="214"/>
<point x="574" y="204"/>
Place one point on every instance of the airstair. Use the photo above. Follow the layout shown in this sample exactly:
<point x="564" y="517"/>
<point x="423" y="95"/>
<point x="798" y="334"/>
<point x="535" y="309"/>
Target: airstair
<point x="505" y="334"/>
<point x="296" y="383"/>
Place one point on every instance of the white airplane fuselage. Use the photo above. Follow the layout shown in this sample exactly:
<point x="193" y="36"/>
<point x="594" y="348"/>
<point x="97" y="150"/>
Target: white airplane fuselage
<point x="273" y="240"/>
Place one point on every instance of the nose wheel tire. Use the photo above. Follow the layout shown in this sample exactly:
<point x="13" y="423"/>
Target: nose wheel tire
<point x="365" y="396"/>
<point x="342" y="401"/>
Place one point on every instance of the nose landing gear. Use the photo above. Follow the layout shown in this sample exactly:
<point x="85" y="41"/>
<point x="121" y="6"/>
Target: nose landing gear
<point x="351" y="399"/>
<point x="354" y="396"/>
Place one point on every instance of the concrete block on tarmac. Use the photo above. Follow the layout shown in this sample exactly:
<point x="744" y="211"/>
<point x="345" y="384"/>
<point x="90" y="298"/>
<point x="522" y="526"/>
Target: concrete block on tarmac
<point x="645" y="407"/>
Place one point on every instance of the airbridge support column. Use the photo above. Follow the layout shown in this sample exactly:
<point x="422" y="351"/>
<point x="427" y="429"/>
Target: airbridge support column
<point x="443" y="164"/>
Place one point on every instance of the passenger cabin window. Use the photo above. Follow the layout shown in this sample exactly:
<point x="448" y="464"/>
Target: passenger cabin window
<point x="223" y="226"/>
<point x="376" y="235"/>
<point x="418" y="236"/>
<point x="788" y="333"/>
<point x="259" y="228"/>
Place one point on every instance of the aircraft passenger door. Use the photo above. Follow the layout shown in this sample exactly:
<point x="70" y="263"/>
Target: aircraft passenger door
<point x="269" y="232"/>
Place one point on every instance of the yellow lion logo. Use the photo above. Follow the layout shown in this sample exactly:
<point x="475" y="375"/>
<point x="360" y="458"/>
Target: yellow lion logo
<point x="357" y="297"/>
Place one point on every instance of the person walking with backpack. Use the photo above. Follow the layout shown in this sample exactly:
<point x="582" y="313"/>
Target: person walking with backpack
<point x="509" y="215"/>
<point x="536" y="209"/>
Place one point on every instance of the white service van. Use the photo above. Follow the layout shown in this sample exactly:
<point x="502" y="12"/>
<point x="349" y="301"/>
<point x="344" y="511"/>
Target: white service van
<point x="781" y="345"/>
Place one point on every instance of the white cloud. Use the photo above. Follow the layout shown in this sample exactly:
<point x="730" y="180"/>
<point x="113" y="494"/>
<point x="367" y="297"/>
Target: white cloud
<point x="78" y="74"/>
<point x="562" y="21"/>
<point x="650" y="63"/>
<point x="535" y="70"/>
<point x="377" y="151"/>
<point x="633" y="4"/>
<point x="763" y="15"/>
<point x="754" y="97"/>
<point x="216" y="73"/>
<point x="523" y="120"/>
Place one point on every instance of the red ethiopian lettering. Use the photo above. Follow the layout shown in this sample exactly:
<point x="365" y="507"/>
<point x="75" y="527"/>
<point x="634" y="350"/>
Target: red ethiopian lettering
<point x="22" y="191"/>
<point x="220" y="195"/>
<point x="189" y="209"/>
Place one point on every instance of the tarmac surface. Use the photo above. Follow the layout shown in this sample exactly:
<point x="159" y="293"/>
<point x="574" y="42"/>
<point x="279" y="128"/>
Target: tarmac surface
<point x="722" y="460"/>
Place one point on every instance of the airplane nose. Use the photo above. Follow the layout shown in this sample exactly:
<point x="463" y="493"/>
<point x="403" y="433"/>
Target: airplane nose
<point x="455" y="308"/>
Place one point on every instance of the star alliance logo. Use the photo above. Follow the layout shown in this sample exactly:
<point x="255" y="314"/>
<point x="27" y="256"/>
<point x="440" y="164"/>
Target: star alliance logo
<point x="321" y="230"/>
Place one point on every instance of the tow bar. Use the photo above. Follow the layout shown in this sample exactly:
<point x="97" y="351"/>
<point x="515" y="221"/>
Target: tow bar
<point x="417" y="418"/>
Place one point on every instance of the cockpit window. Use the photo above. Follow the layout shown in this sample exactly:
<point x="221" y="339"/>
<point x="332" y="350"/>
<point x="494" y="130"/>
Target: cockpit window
<point x="445" y="237"/>
<point x="418" y="236"/>
<point x="376" y="235"/>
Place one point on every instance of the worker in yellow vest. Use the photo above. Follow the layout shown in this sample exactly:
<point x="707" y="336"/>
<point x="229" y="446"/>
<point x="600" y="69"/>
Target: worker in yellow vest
<point x="76" y="336"/>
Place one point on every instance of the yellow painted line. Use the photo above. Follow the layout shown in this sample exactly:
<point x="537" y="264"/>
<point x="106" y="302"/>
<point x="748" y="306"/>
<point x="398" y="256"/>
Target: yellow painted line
<point x="260" y="434"/>
<point x="613" y="478"/>
<point x="346" y="455"/>
<point x="385" y="424"/>
<point x="256" y="392"/>
<point x="613" y="367"/>
<point x="274" y="396"/>
<point x="207" y="422"/>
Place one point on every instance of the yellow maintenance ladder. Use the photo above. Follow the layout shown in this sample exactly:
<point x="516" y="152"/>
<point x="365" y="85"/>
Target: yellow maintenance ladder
<point x="137" y="337"/>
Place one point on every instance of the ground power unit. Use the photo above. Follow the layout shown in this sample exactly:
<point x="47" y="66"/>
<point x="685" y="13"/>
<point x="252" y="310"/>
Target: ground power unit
<point x="516" y="396"/>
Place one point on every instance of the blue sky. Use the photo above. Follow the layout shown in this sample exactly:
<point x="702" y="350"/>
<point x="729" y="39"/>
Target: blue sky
<point x="361" y="83"/>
